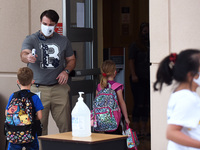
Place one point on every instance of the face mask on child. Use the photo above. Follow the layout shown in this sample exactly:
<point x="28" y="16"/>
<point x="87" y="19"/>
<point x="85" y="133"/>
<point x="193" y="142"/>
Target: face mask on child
<point x="197" y="81"/>
<point x="47" y="30"/>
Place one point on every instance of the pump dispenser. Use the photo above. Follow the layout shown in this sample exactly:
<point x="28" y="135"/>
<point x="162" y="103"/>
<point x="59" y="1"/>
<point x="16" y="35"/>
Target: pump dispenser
<point x="81" y="118"/>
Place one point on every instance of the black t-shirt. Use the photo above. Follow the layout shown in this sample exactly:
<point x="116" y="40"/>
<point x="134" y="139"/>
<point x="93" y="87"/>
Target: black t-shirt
<point x="140" y="55"/>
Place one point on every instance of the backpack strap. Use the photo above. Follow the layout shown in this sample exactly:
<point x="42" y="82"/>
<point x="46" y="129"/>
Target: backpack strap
<point x="29" y="95"/>
<point x="99" y="87"/>
<point x="18" y="94"/>
<point x="116" y="85"/>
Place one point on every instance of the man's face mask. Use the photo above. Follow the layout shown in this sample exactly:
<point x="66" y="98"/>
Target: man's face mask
<point x="47" y="30"/>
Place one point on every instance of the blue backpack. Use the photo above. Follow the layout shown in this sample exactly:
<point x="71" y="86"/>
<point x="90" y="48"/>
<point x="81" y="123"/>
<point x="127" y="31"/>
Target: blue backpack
<point x="106" y="113"/>
<point x="20" y="118"/>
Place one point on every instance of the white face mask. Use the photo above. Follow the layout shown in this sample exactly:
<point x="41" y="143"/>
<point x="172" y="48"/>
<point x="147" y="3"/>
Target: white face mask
<point x="47" y="30"/>
<point x="197" y="81"/>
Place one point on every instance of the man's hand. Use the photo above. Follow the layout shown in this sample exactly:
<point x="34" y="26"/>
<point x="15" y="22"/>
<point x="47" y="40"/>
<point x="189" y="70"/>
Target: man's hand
<point x="62" y="78"/>
<point x="134" y="78"/>
<point x="31" y="58"/>
<point x="27" y="57"/>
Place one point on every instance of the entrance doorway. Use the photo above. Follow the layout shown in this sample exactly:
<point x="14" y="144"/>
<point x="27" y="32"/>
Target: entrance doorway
<point x="121" y="26"/>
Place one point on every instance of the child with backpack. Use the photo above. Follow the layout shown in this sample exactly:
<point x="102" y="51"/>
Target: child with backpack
<point x="183" y="112"/>
<point x="22" y="110"/>
<point x="108" y="70"/>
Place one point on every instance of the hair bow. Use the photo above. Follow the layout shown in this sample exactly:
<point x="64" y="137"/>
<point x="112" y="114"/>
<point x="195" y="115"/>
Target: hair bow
<point x="104" y="74"/>
<point x="172" y="58"/>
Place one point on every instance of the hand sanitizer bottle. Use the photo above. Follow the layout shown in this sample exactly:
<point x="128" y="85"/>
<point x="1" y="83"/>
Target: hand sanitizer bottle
<point x="81" y="126"/>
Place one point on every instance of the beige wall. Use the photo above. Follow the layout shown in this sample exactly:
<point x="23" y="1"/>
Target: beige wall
<point x="174" y="26"/>
<point x="13" y="28"/>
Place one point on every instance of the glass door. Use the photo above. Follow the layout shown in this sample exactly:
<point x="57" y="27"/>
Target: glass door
<point x="79" y="25"/>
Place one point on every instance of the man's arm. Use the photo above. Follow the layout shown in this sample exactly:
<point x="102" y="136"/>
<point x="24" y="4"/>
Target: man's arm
<point x="70" y="65"/>
<point x="27" y="57"/>
<point x="132" y="70"/>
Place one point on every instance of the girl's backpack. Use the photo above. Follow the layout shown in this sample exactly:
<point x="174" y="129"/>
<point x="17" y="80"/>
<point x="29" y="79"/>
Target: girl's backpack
<point x="20" y="118"/>
<point x="106" y="113"/>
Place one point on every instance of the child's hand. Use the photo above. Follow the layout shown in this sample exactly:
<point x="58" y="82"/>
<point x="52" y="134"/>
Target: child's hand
<point x="127" y="121"/>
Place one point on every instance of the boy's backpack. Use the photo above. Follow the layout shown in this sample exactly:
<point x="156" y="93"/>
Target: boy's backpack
<point x="106" y="113"/>
<point x="19" y="123"/>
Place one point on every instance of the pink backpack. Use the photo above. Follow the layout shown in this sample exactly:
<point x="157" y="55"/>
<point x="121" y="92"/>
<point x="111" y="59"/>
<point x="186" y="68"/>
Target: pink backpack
<point x="106" y="113"/>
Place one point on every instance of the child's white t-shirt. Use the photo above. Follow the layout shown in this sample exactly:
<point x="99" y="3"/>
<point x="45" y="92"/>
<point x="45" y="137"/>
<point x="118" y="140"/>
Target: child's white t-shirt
<point x="184" y="110"/>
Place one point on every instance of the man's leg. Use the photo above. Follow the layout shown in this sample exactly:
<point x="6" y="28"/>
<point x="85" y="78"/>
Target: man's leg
<point x="60" y="107"/>
<point x="45" y="97"/>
